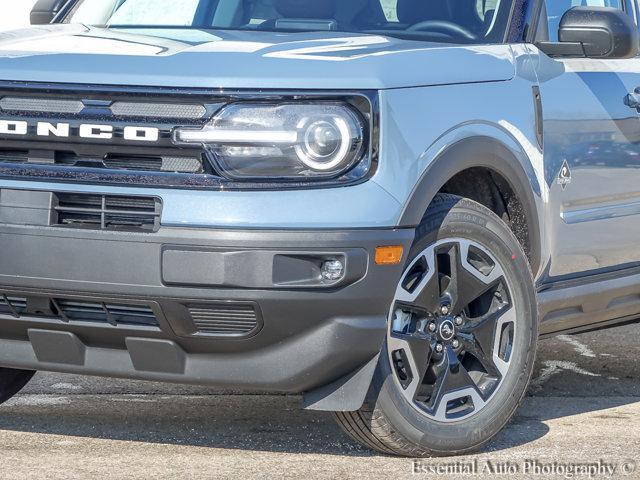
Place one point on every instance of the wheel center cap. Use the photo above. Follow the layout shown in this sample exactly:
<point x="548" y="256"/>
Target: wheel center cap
<point x="447" y="330"/>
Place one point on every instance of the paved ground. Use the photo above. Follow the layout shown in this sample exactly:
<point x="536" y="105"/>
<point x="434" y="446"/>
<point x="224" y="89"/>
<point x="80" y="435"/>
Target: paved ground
<point x="584" y="408"/>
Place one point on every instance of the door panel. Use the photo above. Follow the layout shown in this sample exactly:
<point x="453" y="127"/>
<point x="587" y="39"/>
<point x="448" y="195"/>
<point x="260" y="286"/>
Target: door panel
<point x="587" y="125"/>
<point x="592" y="161"/>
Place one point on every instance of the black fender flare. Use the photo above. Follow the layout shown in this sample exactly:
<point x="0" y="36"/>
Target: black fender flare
<point x="348" y="393"/>
<point x="483" y="152"/>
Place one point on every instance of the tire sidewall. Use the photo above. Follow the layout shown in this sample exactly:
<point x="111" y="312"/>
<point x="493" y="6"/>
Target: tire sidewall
<point x="470" y="221"/>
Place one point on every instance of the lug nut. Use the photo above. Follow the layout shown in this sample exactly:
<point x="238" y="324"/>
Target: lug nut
<point x="455" y="344"/>
<point x="432" y="327"/>
<point x="445" y="309"/>
<point x="439" y="348"/>
<point x="459" y="321"/>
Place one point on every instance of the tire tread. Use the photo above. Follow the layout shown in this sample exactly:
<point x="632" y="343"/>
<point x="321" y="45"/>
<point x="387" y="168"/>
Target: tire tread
<point x="370" y="426"/>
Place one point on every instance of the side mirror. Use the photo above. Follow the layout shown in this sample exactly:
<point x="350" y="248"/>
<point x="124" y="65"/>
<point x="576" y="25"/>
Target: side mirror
<point x="595" y="32"/>
<point x="45" y="11"/>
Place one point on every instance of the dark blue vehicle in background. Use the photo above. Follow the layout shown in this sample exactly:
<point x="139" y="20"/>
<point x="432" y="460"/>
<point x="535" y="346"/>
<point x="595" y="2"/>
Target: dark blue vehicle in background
<point x="380" y="204"/>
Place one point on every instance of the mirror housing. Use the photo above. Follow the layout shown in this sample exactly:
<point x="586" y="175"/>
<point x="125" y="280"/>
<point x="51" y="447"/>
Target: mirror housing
<point x="45" y="11"/>
<point x="595" y="32"/>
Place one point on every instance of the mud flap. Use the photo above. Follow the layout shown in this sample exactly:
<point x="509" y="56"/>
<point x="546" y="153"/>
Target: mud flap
<point x="346" y="394"/>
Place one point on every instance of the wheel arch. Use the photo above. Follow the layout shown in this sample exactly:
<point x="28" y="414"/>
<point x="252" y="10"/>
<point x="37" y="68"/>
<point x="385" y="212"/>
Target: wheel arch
<point x="489" y="155"/>
<point x="474" y="152"/>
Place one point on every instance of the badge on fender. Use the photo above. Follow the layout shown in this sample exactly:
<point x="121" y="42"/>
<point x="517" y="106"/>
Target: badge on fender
<point x="564" y="177"/>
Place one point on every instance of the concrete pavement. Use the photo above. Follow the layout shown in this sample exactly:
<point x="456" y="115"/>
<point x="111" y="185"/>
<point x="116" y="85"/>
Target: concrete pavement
<point x="583" y="408"/>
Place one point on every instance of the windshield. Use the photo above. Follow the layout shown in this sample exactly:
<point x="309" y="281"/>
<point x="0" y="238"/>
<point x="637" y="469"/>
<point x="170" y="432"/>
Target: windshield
<point x="452" y="21"/>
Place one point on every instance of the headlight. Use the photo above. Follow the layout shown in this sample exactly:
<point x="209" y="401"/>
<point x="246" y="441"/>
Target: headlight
<point x="295" y="141"/>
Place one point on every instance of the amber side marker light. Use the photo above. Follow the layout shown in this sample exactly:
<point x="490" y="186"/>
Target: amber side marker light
<point x="389" y="255"/>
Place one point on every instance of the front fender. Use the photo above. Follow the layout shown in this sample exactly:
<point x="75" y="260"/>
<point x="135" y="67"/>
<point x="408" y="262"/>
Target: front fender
<point x="486" y="152"/>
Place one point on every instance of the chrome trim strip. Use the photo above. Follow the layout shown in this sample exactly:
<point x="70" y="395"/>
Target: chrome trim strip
<point x="601" y="213"/>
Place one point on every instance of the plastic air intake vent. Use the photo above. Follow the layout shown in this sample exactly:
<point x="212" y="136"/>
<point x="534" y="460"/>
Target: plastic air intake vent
<point x="106" y="212"/>
<point x="226" y="319"/>
<point x="14" y="306"/>
<point x="114" y="315"/>
<point x="72" y="310"/>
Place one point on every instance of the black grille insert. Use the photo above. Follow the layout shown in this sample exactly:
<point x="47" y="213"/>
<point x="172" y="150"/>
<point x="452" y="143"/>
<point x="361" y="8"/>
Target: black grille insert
<point x="168" y="164"/>
<point x="14" y="156"/>
<point x="15" y="306"/>
<point x="69" y="310"/>
<point x="106" y="313"/>
<point x="225" y="319"/>
<point x="107" y="212"/>
<point x="120" y="108"/>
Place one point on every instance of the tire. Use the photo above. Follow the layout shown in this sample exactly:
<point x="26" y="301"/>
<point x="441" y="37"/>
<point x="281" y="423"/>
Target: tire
<point x="12" y="381"/>
<point x="418" y="415"/>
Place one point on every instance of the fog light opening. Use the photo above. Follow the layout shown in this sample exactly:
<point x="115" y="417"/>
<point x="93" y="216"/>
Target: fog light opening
<point x="332" y="270"/>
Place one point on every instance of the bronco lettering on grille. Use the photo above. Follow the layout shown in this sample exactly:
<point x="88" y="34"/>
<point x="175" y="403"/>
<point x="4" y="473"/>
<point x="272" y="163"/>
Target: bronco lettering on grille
<point x="89" y="131"/>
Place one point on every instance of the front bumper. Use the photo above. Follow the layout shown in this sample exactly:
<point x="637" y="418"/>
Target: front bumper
<point x="306" y="334"/>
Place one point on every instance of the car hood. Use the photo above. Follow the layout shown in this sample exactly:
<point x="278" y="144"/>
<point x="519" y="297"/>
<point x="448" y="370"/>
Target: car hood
<point x="241" y="59"/>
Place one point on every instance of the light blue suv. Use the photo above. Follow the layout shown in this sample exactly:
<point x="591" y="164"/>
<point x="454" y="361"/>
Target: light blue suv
<point x="379" y="204"/>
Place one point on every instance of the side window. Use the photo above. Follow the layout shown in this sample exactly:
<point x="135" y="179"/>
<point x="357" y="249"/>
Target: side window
<point x="557" y="8"/>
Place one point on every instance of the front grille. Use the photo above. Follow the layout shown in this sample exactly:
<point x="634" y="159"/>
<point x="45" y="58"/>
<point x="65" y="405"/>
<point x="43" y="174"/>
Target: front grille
<point x="147" y="163"/>
<point x="225" y="319"/>
<point x="14" y="156"/>
<point x="119" y="109"/>
<point x="158" y="110"/>
<point x="67" y="311"/>
<point x="40" y="105"/>
<point x="155" y="164"/>
<point x="107" y="212"/>
<point x="64" y="153"/>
